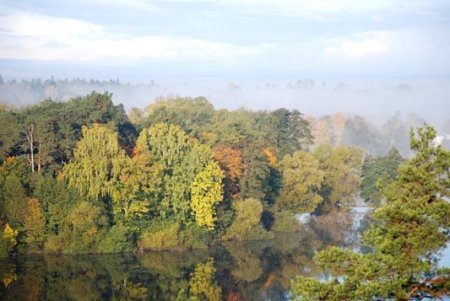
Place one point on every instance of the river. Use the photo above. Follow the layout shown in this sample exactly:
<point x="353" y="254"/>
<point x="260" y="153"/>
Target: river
<point x="232" y="271"/>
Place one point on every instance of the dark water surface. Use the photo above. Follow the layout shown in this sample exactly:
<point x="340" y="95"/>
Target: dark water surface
<point x="232" y="271"/>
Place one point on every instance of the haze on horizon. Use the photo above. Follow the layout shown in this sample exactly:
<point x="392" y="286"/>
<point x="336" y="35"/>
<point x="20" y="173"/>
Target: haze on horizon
<point x="242" y="53"/>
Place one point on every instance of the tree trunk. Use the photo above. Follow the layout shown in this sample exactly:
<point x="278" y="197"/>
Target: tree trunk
<point x="39" y="157"/>
<point x="29" y="135"/>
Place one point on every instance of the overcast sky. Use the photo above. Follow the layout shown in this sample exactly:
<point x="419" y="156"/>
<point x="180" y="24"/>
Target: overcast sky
<point x="232" y="39"/>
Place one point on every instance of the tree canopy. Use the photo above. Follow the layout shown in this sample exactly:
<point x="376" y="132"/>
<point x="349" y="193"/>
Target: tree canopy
<point x="404" y="238"/>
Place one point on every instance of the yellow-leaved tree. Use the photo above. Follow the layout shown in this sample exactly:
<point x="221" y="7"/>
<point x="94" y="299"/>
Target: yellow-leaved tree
<point x="34" y="225"/>
<point x="7" y="240"/>
<point x="206" y="193"/>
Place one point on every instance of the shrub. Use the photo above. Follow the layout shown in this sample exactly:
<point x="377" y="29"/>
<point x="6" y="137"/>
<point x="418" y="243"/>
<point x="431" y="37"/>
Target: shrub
<point x="160" y="238"/>
<point x="194" y="237"/>
<point x="118" y="239"/>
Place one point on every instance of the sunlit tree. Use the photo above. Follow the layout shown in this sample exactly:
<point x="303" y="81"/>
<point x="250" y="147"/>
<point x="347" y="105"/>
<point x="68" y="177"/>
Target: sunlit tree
<point x="405" y="237"/>
<point x="301" y="182"/>
<point x="206" y="193"/>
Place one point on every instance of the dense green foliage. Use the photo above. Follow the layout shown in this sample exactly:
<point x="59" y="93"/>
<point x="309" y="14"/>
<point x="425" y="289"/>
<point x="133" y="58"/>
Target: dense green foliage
<point x="302" y="180"/>
<point x="246" y="225"/>
<point x="379" y="171"/>
<point x="404" y="238"/>
<point x="80" y="177"/>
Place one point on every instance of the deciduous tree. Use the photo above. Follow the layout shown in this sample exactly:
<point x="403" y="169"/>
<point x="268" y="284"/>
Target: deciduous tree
<point x="301" y="182"/>
<point x="342" y="173"/>
<point x="206" y="193"/>
<point x="34" y="225"/>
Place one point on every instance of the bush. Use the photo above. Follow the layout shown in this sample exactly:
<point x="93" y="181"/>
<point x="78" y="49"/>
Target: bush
<point x="163" y="235"/>
<point x="194" y="237"/>
<point x="160" y="237"/>
<point x="118" y="239"/>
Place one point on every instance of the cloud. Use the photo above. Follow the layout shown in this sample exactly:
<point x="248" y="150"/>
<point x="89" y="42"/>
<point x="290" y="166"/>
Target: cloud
<point x="360" y="45"/>
<point x="23" y="24"/>
<point x="40" y="37"/>
<point x="141" y="5"/>
<point x="318" y="10"/>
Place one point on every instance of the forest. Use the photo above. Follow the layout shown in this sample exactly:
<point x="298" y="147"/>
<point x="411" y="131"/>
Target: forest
<point x="178" y="174"/>
<point x="83" y="176"/>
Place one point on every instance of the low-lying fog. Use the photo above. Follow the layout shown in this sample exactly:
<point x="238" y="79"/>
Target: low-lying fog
<point x="374" y="99"/>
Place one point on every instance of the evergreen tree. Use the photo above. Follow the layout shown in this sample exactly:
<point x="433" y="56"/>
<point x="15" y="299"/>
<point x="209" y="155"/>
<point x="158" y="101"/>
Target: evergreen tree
<point x="405" y="237"/>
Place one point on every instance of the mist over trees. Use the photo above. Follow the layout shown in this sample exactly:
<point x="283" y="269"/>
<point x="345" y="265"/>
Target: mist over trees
<point x="83" y="176"/>
<point x="179" y="174"/>
<point x="374" y="101"/>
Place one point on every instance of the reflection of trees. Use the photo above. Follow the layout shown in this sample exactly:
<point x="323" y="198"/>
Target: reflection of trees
<point x="246" y="264"/>
<point x="331" y="229"/>
<point x="202" y="285"/>
<point x="8" y="275"/>
<point x="75" y="278"/>
<point x="28" y="287"/>
<point x="250" y="271"/>
<point x="171" y="263"/>
<point x="169" y="273"/>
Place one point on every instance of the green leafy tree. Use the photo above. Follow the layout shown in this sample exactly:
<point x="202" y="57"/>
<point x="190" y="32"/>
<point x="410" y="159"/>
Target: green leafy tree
<point x="39" y="128"/>
<point x="254" y="180"/>
<point x="9" y="134"/>
<point x="86" y="226"/>
<point x="231" y="127"/>
<point x="377" y="171"/>
<point x="191" y="114"/>
<point x="179" y="159"/>
<point x="14" y="201"/>
<point x="119" y="238"/>
<point x="48" y="131"/>
<point x="292" y="131"/>
<point x="57" y="199"/>
<point x="405" y="238"/>
<point x="131" y="190"/>
<point x="301" y="182"/>
<point x="97" y="162"/>
<point x="342" y="174"/>
<point x="247" y="222"/>
<point x="34" y="225"/>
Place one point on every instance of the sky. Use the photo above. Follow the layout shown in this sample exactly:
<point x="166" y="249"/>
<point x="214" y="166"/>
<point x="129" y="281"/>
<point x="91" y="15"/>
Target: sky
<point x="226" y="39"/>
<point x="241" y="53"/>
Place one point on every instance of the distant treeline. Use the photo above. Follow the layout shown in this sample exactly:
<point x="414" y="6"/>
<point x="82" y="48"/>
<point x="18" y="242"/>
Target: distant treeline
<point x="82" y="176"/>
<point x="339" y="128"/>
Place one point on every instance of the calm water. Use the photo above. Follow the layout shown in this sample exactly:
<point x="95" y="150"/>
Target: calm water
<point x="250" y="271"/>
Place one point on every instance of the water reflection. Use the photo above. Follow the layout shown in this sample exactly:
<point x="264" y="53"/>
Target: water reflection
<point x="245" y="271"/>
